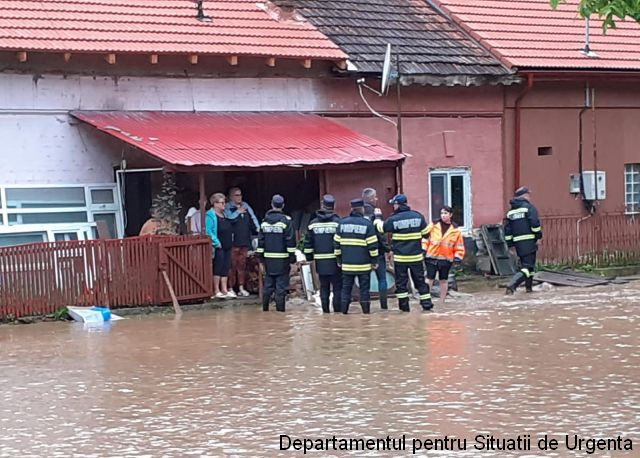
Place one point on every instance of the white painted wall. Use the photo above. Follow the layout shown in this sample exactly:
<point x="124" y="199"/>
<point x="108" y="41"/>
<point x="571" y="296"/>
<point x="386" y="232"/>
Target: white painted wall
<point x="42" y="144"/>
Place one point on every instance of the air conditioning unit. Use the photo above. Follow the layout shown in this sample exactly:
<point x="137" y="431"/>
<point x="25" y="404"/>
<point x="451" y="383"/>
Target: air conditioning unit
<point x="590" y="181"/>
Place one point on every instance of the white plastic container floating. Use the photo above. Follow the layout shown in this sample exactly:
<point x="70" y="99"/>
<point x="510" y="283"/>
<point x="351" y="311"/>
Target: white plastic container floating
<point x="92" y="315"/>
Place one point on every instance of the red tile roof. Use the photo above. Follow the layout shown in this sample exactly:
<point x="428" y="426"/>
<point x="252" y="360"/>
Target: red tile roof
<point x="239" y="27"/>
<point x="529" y="34"/>
<point x="240" y="139"/>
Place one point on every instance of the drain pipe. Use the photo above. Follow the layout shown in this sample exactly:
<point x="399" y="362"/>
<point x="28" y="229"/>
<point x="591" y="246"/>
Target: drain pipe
<point x="518" y="116"/>
<point x="587" y="103"/>
<point x="578" y="232"/>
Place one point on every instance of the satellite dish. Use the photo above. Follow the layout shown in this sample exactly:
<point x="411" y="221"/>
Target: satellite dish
<point x="386" y="71"/>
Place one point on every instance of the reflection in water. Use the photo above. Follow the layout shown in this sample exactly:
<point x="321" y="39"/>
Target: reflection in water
<point x="229" y="382"/>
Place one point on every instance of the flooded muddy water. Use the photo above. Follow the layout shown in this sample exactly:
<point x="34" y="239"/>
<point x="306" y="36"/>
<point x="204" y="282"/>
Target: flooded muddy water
<point x="229" y="382"/>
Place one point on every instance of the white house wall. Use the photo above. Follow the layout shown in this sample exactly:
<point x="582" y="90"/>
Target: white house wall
<point x="42" y="144"/>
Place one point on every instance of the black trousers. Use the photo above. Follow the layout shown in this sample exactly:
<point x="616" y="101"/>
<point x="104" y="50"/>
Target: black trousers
<point x="278" y="284"/>
<point x="326" y="284"/>
<point x="527" y="270"/>
<point x="416" y="270"/>
<point x="364" y="280"/>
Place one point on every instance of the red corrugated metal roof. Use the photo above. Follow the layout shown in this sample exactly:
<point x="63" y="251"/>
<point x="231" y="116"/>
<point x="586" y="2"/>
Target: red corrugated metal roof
<point x="240" y="139"/>
<point x="529" y="34"/>
<point x="240" y="27"/>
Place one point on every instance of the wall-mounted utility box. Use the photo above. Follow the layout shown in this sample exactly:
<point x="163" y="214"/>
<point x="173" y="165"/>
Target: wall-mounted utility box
<point x="591" y="183"/>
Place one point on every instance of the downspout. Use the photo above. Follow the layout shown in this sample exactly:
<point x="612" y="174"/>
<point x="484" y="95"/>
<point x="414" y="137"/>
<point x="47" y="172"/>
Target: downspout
<point x="516" y="166"/>
<point x="399" y="178"/>
<point x="587" y="103"/>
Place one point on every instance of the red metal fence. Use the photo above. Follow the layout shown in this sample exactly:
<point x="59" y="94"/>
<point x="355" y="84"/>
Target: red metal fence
<point x="599" y="240"/>
<point x="41" y="278"/>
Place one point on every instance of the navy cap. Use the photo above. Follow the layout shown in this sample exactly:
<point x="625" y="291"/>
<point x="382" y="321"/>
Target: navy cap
<point x="399" y="199"/>
<point x="521" y="191"/>
<point x="328" y="201"/>
<point x="277" y="201"/>
<point x="357" y="203"/>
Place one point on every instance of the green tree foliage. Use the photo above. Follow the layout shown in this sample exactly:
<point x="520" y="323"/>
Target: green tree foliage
<point x="608" y="10"/>
<point x="165" y="208"/>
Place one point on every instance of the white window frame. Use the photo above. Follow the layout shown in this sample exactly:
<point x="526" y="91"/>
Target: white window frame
<point x="465" y="172"/>
<point x="629" y="175"/>
<point x="90" y="209"/>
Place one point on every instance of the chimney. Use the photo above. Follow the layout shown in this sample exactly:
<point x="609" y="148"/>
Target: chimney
<point x="201" y="16"/>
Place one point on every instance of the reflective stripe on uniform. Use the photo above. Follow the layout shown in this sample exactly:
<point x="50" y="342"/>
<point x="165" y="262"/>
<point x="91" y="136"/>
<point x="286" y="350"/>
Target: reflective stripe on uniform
<point x="308" y="250"/>
<point x="371" y="239"/>
<point x="520" y="238"/>
<point x="424" y="297"/>
<point x="517" y="210"/>
<point x="356" y="267"/>
<point x="278" y="224"/>
<point x="410" y="236"/>
<point x="536" y="229"/>
<point x="402" y="295"/>
<point x="379" y="224"/>
<point x="408" y="258"/>
<point x="337" y="252"/>
<point x="353" y="242"/>
<point x="291" y="249"/>
<point x="374" y="253"/>
<point x="260" y="250"/>
<point x="526" y="272"/>
<point x="324" y="256"/>
<point x="508" y="237"/>
<point x="314" y="225"/>
<point x="276" y="255"/>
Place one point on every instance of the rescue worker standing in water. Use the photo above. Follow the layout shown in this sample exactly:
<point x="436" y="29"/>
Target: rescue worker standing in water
<point x="318" y="247"/>
<point x="276" y="249"/>
<point x="407" y="228"/>
<point x="522" y="229"/>
<point x="356" y="249"/>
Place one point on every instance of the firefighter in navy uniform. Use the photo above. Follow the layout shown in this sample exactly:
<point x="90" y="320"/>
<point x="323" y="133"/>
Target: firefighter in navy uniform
<point x="318" y="246"/>
<point x="407" y="228"/>
<point x="522" y="229"/>
<point x="356" y="249"/>
<point x="276" y="248"/>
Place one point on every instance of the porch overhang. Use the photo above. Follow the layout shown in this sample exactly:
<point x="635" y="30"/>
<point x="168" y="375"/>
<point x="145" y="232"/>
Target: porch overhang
<point x="186" y="141"/>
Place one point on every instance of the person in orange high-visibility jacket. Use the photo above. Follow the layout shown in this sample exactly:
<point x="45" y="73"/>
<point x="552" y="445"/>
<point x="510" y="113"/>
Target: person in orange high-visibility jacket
<point x="444" y="246"/>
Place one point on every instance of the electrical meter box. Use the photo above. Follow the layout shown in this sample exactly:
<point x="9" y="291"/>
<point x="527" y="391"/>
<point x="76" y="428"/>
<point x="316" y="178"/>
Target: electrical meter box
<point x="592" y="184"/>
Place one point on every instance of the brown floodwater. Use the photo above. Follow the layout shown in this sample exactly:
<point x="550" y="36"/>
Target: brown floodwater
<point x="229" y="382"/>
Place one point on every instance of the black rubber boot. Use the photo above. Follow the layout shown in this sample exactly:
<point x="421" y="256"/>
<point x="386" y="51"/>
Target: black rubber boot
<point x="426" y="306"/>
<point x="383" y="300"/>
<point x="528" y="284"/>
<point x="515" y="281"/>
<point x="366" y="307"/>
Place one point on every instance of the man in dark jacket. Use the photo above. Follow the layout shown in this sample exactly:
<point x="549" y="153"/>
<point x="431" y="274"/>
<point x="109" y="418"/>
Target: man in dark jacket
<point x="373" y="214"/>
<point x="407" y="228"/>
<point x="318" y="246"/>
<point x="276" y="248"/>
<point x="356" y="249"/>
<point x="522" y="229"/>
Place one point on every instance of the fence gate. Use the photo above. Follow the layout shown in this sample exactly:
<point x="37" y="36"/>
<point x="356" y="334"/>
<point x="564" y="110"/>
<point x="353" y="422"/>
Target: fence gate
<point x="188" y="265"/>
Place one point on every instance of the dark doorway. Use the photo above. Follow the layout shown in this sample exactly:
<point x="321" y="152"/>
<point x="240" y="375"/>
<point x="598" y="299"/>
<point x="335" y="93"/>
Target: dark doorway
<point x="137" y="201"/>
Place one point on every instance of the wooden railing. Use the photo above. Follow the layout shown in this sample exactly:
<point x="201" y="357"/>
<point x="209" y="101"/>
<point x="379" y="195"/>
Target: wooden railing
<point x="40" y="278"/>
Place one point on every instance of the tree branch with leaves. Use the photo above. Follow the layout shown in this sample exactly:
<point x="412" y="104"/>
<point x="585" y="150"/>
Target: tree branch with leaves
<point x="609" y="11"/>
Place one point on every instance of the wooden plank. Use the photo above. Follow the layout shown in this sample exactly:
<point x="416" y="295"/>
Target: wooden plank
<point x="566" y="279"/>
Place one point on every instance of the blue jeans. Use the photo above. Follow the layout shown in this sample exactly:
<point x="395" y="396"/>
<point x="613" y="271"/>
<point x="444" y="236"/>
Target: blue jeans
<point x="381" y="274"/>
